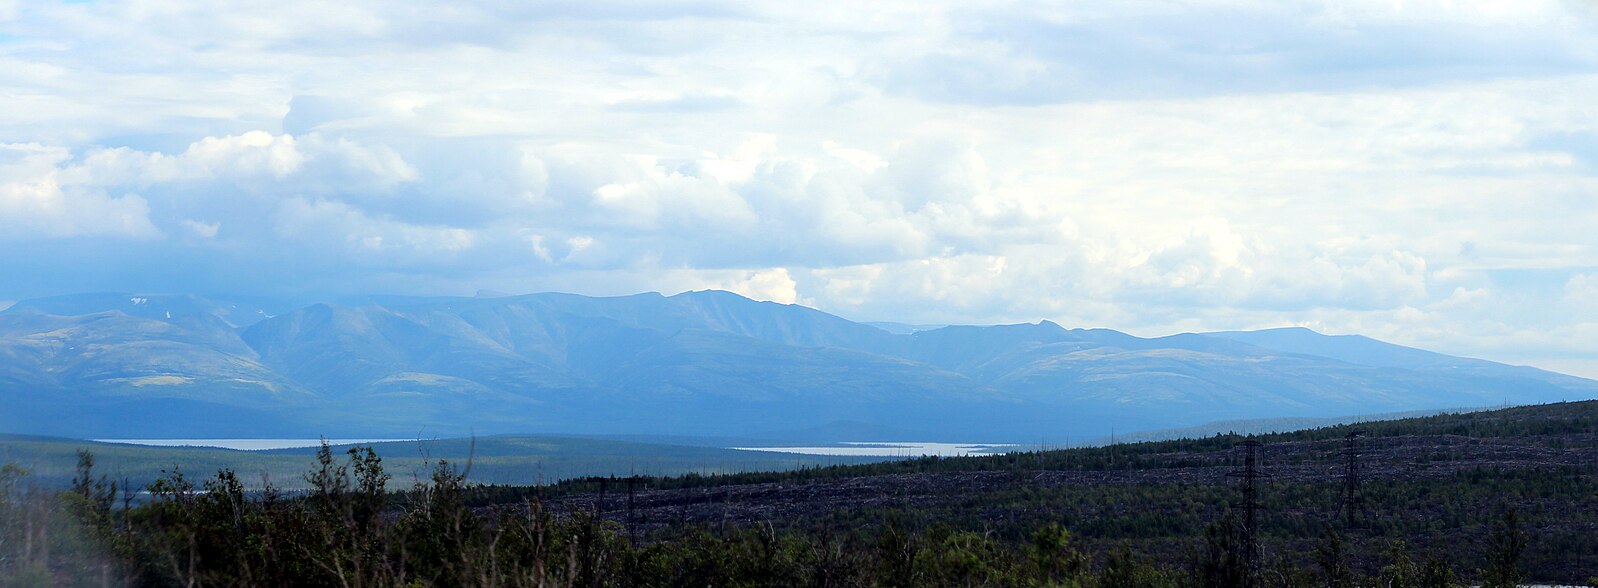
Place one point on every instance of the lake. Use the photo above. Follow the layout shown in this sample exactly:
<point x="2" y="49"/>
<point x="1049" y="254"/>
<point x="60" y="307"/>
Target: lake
<point x="244" y="444"/>
<point x="850" y="449"/>
<point x="878" y="449"/>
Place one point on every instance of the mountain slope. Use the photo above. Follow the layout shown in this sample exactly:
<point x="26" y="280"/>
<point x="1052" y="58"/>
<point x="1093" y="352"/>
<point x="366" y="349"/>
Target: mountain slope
<point x="697" y="363"/>
<point x="1356" y="349"/>
<point x="236" y="311"/>
<point x="1362" y="350"/>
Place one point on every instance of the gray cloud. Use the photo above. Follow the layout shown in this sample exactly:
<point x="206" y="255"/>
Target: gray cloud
<point x="1423" y="173"/>
<point x="1194" y="50"/>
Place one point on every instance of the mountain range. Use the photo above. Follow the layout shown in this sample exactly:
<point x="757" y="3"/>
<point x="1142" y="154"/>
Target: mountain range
<point x="699" y="363"/>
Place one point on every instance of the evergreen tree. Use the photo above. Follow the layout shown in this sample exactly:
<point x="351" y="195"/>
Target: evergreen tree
<point x="1506" y="542"/>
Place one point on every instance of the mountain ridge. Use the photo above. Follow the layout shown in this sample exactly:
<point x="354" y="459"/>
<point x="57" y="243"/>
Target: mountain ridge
<point x="694" y="363"/>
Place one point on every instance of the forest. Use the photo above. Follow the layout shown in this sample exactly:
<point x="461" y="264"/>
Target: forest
<point x="1495" y="498"/>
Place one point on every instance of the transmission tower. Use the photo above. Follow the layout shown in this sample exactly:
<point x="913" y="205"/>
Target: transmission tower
<point x="1250" y="474"/>
<point x="1352" y="507"/>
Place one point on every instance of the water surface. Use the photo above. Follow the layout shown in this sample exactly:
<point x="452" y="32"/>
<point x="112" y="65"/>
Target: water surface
<point x="907" y="449"/>
<point x="244" y="444"/>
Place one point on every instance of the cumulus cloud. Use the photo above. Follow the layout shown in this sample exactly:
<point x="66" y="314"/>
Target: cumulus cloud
<point x="775" y="285"/>
<point x="1421" y="171"/>
<point x="38" y="199"/>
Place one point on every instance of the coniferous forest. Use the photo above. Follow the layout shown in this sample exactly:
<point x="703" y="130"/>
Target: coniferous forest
<point x="1495" y="498"/>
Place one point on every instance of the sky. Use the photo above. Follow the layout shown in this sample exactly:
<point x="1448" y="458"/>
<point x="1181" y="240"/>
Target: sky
<point x="1423" y="172"/>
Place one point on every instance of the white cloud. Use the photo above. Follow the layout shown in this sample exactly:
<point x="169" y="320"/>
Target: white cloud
<point x="1420" y="170"/>
<point x="254" y="155"/>
<point x="774" y="284"/>
<point x="321" y="224"/>
<point x="37" y="200"/>
<point x="659" y="199"/>
<point x="1580" y="300"/>
<point x="201" y="229"/>
<point x="581" y="249"/>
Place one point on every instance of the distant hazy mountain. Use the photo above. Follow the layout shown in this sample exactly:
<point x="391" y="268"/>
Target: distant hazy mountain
<point x="237" y="311"/>
<point x="698" y="363"/>
<point x="1358" y="349"/>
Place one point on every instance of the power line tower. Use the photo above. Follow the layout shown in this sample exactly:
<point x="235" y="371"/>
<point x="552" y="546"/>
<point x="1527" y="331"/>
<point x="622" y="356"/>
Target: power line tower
<point x="1250" y="475"/>
<point x="1352" y="509"/>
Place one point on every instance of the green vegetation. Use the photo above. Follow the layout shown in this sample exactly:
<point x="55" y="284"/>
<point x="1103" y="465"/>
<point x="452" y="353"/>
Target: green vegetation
<point x="343" y="533"/>
<point x="1491" y="498"/>
<point x="520" y="460"/>
<point x="1562" y="423"/>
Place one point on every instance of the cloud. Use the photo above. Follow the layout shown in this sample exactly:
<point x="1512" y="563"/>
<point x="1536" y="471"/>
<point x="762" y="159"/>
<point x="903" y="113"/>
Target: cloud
<point x="1581" y="298"/>
<point x="678" y="104"/>
<point x="337" y="226"/>
<point x="39" y="200"/>
<point x="201" y="229"/>
<point x="1421" y="171"/>
<point x="1144" y="50"/>
<point x="775" y="285"/>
